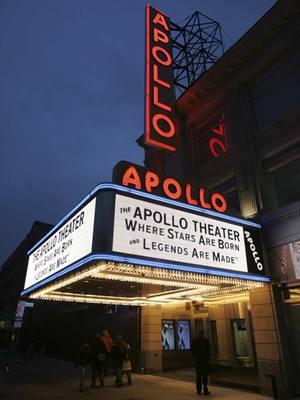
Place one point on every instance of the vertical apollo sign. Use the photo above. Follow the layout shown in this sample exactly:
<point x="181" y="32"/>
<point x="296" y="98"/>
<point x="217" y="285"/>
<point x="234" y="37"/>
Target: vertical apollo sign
<point x="160" y="128"/>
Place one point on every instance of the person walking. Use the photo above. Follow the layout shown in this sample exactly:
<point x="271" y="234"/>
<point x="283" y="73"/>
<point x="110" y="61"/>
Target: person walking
<point x="201" y="354"/>
<point x="108" y="343"/>
<point x="98" y="361"/>
<point x="83" y="360"/>
<point x="118" y="354"/>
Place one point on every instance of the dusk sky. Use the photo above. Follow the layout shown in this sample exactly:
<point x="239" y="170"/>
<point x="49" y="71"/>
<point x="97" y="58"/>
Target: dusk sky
<point x="72" y="97"/>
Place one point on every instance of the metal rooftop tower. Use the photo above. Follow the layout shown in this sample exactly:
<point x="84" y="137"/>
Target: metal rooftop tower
<point x="197" y="45"/>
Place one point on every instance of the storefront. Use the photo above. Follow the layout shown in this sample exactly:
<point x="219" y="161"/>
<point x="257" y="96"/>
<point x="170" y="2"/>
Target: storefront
<point x="186" y="267"/>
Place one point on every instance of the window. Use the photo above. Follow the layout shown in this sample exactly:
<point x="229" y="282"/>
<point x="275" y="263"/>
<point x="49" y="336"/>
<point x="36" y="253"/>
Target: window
<point x="240" y="337"/>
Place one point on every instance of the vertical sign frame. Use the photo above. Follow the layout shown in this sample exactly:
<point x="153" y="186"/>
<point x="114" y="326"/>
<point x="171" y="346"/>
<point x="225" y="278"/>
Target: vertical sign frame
<point x="160" y="126"/>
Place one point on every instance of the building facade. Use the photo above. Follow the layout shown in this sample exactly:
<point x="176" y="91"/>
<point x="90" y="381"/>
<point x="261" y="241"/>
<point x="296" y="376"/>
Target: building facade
<point x="240" y="135"/>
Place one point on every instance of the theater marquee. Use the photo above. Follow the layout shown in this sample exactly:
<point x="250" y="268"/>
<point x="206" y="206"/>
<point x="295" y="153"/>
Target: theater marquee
<point x="116" y="227"/>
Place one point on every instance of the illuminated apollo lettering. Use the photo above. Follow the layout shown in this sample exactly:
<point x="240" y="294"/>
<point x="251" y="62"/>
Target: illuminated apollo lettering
<point x="217" y="144"/>
<point x="149" y="181"/>
<point x="160" y="128"/>
<point x="254" y="251"/>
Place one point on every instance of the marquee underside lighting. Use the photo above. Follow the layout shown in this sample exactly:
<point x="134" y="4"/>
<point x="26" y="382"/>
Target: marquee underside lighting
<point x="103" y="282"/>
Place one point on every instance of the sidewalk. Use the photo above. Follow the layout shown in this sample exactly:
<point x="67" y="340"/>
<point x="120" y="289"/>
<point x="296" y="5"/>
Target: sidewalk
<point x="245" y="379"/>
<point x="45" y="379"/>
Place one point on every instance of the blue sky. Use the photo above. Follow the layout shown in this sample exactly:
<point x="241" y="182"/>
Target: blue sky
<point x="72" y="97"/>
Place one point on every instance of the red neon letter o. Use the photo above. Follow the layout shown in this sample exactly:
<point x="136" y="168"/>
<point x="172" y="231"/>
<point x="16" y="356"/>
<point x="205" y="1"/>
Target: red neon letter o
<point x="167" y="61"/>
<point x="167" y="183"/>
<point x="212" y="144"/>
<point x="165" y="134"/>
<point x="218" y="197"/>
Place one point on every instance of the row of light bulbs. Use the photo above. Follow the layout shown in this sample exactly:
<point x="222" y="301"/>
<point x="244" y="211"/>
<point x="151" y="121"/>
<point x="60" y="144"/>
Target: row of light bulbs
<point x="198" y="286"/>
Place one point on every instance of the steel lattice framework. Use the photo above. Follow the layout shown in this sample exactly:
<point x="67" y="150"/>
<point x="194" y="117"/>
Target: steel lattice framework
<point x="197" y="45"/>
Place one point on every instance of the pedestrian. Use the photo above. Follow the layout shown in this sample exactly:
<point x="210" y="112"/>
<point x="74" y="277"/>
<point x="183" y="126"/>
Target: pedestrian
<point x="108" y="343"/>
<point x="98" y="361"/>
<point x="83" y="360"/>
<point x="201" y="354"/>
<point x="118" y="354"/>
<point x="126" y="366"/>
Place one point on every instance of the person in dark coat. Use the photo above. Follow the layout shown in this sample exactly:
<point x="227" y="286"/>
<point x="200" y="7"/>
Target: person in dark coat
<point x="201" y="354"/>
<point x="83" y="360"/>
<point x="118" y="354"/>
<point x="98" y="361"/>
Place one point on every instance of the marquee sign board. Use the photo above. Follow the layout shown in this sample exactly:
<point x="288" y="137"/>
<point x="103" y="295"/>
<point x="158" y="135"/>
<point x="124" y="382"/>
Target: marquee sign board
<point x="69" y="243"/>
<point x="160" y="126"/>
<point x="151" y="230"/>
<point x="118" y="223"/>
